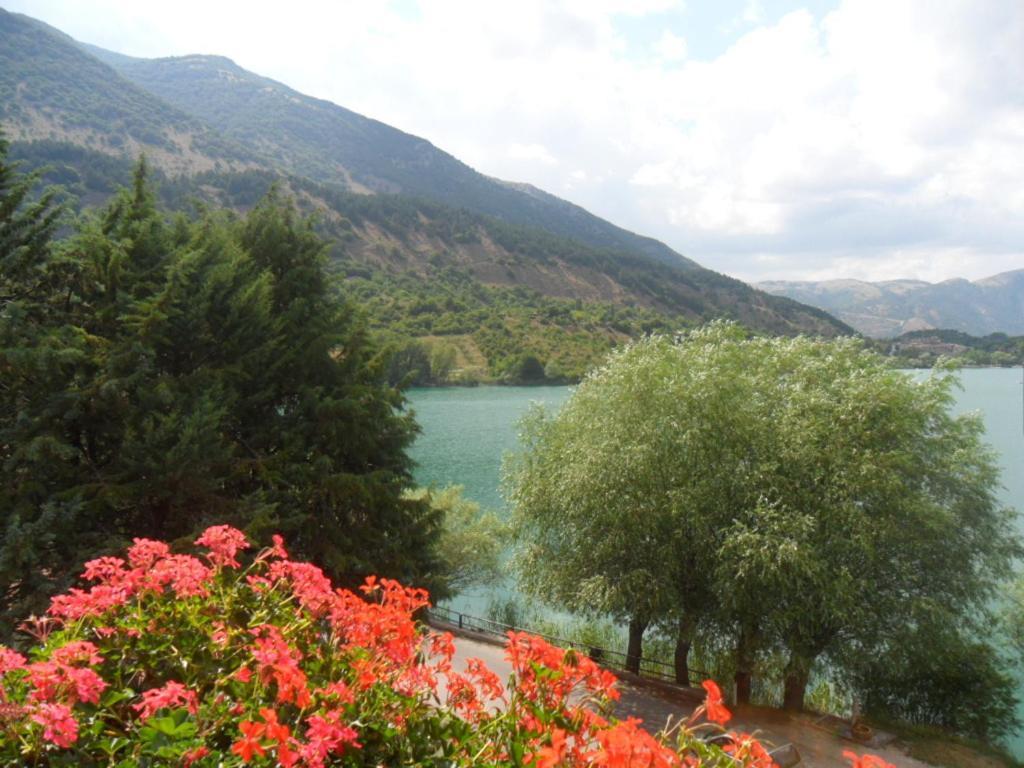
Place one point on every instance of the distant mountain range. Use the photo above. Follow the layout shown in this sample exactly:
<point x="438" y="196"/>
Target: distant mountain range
<point x="393" y="202"/>
<point x="888" y="309"/>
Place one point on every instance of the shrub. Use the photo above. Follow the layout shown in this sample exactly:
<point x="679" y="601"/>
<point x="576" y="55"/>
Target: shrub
<point x="176" y="659"/>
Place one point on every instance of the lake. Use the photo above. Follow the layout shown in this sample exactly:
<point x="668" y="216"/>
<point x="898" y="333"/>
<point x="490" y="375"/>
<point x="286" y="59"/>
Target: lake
<point x="466" y="431"/>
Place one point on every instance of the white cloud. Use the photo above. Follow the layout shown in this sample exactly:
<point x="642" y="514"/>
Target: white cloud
<point x="670" y="47"/>
<point x="536" y="153"/>
<point x="887" y="135"/>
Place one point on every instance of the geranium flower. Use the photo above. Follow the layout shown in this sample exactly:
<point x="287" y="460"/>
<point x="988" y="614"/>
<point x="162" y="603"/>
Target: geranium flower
<point x="59" y="726"/>
<point x="171" y="695"/>
<point x="714" y="709"/>
<point x="865" y="761"/>
<point x="224" y="542"/>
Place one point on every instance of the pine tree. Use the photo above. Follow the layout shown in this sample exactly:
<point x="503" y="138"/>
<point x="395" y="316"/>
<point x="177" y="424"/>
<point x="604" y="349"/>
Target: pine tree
<point x="181" y="373"/>
<point x="39" y="357"/>
<point x="334" y="431"/>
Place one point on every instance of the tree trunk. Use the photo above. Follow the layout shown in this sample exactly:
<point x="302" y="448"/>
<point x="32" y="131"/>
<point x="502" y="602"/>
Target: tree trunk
<point x="684" y="639"/>
<point x="744" y="667"/>
<point x="797" y="672"/>
<point x="634" y="650"/>
<point x="742" y="680"/>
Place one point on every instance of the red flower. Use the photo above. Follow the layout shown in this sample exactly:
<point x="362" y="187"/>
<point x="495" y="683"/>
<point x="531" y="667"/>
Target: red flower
<point x="10" y="660"/>
<point x="553" y="753"/>
<point x="749" y="751"/>
<point x="626" y="745"/>
<point x="865" y="761"/>
<point x="144" y="552"/>
<point x="193" y="755"/>
<point x="59" y="727"/>
<point x="714" y="709"/>
<point x="224" y="542"/>
<point x="172" y="695"/>
<point x="249" y="744"/>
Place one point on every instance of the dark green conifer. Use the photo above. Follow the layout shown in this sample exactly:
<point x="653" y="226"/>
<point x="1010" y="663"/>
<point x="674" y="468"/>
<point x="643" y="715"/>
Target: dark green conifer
<point x="179" y="374"/>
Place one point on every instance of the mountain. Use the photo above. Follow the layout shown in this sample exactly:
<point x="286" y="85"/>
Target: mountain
<point x="51" y="89"/>
<point x="888" y="309"/>
<point x="396" y="206"/>
<point x="324" y="142"/>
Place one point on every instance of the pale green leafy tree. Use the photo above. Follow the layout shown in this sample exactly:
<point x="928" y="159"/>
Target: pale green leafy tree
<point x="792" y="494"/>
<point x="616" y="505"/>
<point x="472" y="541"/>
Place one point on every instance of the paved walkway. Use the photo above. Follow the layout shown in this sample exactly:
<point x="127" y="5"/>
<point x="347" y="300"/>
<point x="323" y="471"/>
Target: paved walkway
<point x="657" y="704"/>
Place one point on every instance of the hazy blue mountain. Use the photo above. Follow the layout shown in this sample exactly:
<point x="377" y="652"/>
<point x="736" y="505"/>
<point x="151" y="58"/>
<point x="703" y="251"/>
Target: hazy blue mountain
<point x="886" y="309"/>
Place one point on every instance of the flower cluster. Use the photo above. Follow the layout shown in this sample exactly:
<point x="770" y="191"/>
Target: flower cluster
<point x="167" y="659"/>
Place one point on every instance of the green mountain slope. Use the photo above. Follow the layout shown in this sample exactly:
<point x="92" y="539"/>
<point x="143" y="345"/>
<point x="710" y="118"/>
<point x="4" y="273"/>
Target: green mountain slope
<point x="428" y="267"/>
<point x="51" y="89"/>
<point x="890" y="308"/>
<point x="326" y="142"/>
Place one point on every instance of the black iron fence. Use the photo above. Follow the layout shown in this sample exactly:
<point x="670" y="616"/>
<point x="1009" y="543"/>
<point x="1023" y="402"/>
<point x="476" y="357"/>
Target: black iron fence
<point x="606" y="657"/>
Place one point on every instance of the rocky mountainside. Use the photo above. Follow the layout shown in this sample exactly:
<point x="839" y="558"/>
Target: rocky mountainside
<point x="887" y="309"/>
<point x="328" y="143"/>
<point x="392" y="202"/>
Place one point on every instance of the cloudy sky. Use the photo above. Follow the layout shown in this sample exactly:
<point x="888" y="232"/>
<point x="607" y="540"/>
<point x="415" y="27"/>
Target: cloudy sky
<point x="871" y="139"/>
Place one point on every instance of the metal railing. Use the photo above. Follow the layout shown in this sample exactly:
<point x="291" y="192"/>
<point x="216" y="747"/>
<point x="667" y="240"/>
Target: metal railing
<point x="606" y="657"/>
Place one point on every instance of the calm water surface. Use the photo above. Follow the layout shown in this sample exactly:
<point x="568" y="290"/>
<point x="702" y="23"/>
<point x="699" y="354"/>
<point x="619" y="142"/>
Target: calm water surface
<point x="467" y="431"/>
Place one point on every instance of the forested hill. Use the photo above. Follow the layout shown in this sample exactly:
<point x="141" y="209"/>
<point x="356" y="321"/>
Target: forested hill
<point x="51" y="89"/>
<point x="440" y="246"/>
<point x="329" y="143"/>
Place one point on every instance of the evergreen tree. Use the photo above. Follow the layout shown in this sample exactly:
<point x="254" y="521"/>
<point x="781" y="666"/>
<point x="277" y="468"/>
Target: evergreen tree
<point x="186" y="372"/>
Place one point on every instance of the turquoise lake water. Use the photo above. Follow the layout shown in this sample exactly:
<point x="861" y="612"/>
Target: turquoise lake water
<point x="466" y="431"/>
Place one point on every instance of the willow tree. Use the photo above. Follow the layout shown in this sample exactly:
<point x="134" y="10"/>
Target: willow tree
<point x="877" y="511"/>
<point x="617" y="499"/>
<point x="790" y="495"/>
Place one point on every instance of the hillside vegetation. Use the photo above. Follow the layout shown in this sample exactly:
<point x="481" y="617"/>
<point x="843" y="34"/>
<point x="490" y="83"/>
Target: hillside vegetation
<point x="440" y="255"/>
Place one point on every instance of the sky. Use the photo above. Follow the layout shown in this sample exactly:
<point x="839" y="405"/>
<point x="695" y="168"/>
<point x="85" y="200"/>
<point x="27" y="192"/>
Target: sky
<point x="866" y="139"/>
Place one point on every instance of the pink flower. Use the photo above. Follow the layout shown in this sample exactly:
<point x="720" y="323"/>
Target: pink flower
<point x="172" y="695"/>
<point x="98" y="600"/>
<point x="59" y="727"/>
<point x="224" y="542"/>
<point x="87" y="684"/>
<point x="10" y="660"/>
<point x="187" y="576"/>
<point x="326" y="735"/>
<point x="78" y="652"/>
<point x="144" y="552"/>
<point x="106" y="570"/>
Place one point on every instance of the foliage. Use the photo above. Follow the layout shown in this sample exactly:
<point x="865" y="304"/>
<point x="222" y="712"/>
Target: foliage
<point x="27" y="226"/>
<point x="923" y="349"/>
<point x="924" y="677"/>
<point x="202" y="119"/>
<point x="783" y="496"/>
<point x="46" y="78"/>
<point x="471" y="542"/>
<point x="156" y="374"/>
<point x="172" y="659"/>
